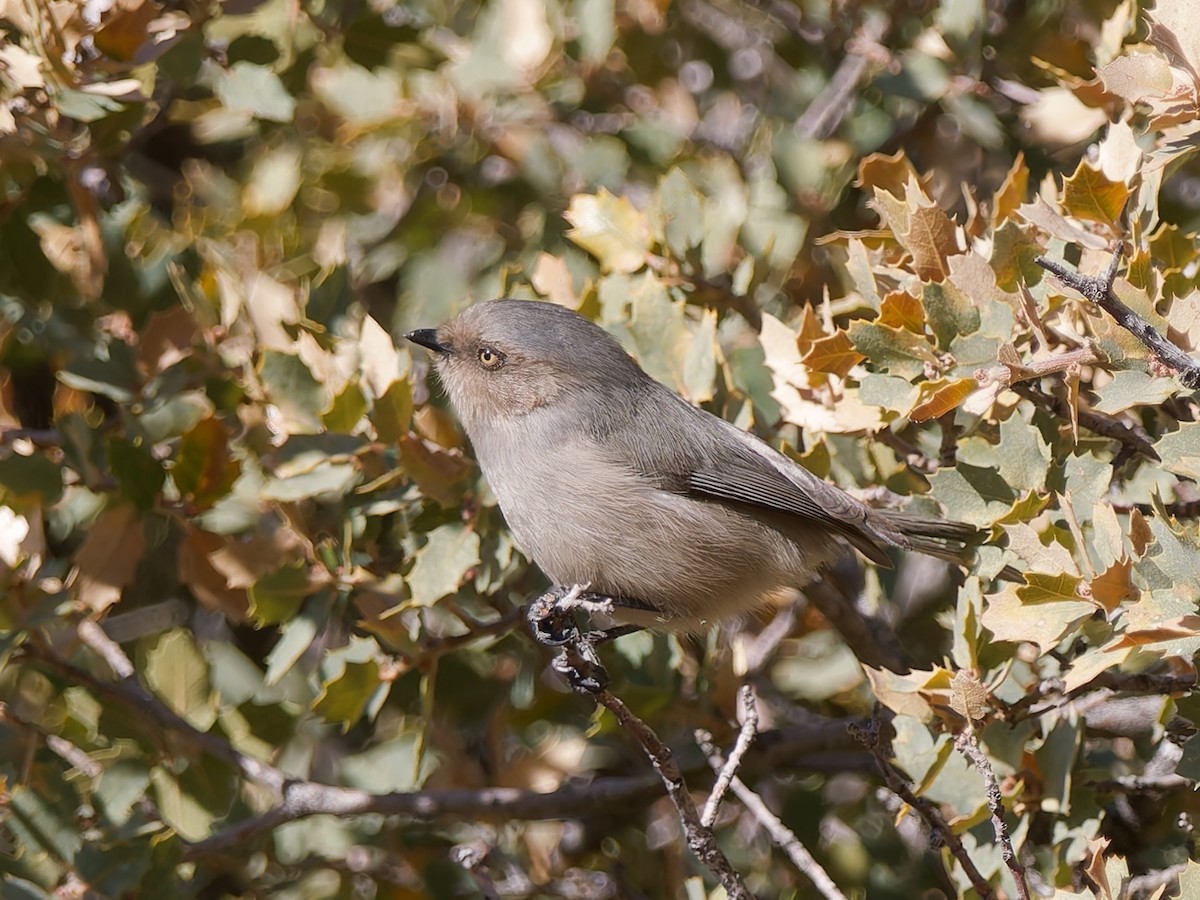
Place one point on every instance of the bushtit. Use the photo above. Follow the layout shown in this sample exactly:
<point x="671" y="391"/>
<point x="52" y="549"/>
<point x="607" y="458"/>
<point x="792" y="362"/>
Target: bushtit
<point x="609" y="479"/>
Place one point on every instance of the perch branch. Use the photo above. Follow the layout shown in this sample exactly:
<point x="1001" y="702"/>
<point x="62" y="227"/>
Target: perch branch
<point x="726" y="774"/>
<point x="870" y="738"/>
<point x="968" y="745"/>
<point x="727" y="778"/>
<point x="700" y="839"/>
<point x="1098" y="289"/>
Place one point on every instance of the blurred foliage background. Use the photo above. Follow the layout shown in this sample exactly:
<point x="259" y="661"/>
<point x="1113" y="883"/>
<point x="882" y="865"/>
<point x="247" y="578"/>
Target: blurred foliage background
<point x="260" y="625"/>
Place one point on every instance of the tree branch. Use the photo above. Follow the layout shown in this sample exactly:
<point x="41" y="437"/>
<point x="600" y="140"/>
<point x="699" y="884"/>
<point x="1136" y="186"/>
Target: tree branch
<point x="870" y="737"/>
<point x="1098" y="289"/>
<point x="783" y="836"/>
<point x="700" y="839"/>
<point x="968" y="745"/>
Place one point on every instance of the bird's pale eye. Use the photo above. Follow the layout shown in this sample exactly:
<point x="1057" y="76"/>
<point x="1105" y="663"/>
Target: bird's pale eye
<point x="490" y="358"/>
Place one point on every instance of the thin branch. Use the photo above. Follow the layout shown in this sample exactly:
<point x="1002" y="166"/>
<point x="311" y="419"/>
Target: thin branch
<point x="1106" y="684"/>
<point x="823" y="745"/>
<point x="870" y="738"/>
<point x="913" y="458"/>
<point x="968" y="745"/>
<point x="727" y="778"/>
<point x="1135" y="439"/>
<point x="728" y="772"/>
<point x="61" y="747"/>
<point x="470" y="858"/>
<point x="871" y="641"/>
<point x="827" y="110"/>
<point x="129" y="689"/>
<point x="700" y="840"/>
<point x="1098" y="289"/>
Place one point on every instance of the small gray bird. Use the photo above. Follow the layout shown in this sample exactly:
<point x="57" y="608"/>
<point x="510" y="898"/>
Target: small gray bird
<point x="609" y="479"/>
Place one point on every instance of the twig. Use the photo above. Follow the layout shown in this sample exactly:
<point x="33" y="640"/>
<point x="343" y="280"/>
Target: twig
<point x="129" y="689"/>
<point x="762" y="648"/>
<point x="898" y="784"/>
<point x="1098" y="289"/>
<point x="1133" y="438"/>
<point x="700" y="840"/>
<point x="823" y="745"/>
<point x="39" y="437"/>
<point x="913" y="458"/>
<point x="830" y="106"/>
<point x="1106" y="683"/>
<point x="968" y="745"/>
<point x="727" y="778"/>
<point x="869" y="639"/>
<point x="471" y="857"/>
<point x="1146" y="885"/>
<point x="61" y="747"/>
<point x="728" y="772"/>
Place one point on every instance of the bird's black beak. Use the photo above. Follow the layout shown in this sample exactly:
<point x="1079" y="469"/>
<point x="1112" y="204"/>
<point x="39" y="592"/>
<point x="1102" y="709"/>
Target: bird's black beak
<point x="427" y="337"/>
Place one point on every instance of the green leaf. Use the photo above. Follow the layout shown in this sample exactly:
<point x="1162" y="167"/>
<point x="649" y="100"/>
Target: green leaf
<point x="1129" y="388"/>
<point x="442" y="565"/>
<point x="291" y="387"/>
<point x="1041" y="587"/>
<point x="1180" y="450"/>
<point x="351" y="685"/>
<point x="256" y="91"/>
<point x="972" y="494"/>
<point x="177" y="672"/>
<point x="682" y="211"/>
<point x="348" y="409"/>
<point x="140" y="475"/>
<point x="1044" y="623"/>
<point x="1025" y="456"/>
<point x="276" y="597"/>
<point x="31" y="479"/>
<point x="204" y="470"/>
<point x="949" y="311"/>
<point x="391" y="414"/>
<point x="896" y="351"/>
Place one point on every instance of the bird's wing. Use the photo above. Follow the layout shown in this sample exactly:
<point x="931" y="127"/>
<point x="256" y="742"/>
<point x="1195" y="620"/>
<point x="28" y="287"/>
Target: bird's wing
<point x="751" y="478"/>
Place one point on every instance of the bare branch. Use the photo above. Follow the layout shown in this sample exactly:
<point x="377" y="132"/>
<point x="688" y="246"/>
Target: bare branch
<point x="827" y="110"/>
<point x="1098" y="289"/>
<point x="728" y="772"/>
<point x="700" y="840"/>
<point x="727" y="778"/>
<point x="1135" y="439"/>
<point x="968" y="745"/>
<point x="870" y="738"/>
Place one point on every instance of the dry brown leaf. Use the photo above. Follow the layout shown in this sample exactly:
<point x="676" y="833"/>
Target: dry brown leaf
<point x="833" y="354"/>
<point x="166" y="339"/>
<point x="1012" y="192"/>
<point x="208" y="586"/>
<point x="1140" y="534"/>
<point x="1114" y="585"/>
<point x="939" y="397"/>
<point x="888" y="173"/>
<point x="109" y="557"/>
<point x="932" y="239"/>
<point x="1089" y="194"/>
<point x="900" y="309"/>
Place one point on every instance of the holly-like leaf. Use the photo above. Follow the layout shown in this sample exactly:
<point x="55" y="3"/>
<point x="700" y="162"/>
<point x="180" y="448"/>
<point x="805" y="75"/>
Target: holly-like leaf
<point x="1089" y="194"/>
<point x="610" y="229"/>
<point x="204" y="469"/>
<point x="834" y="354"/>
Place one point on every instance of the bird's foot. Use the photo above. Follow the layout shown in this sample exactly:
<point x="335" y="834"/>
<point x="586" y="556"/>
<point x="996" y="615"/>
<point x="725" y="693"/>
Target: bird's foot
<point x="552" y="621"/>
